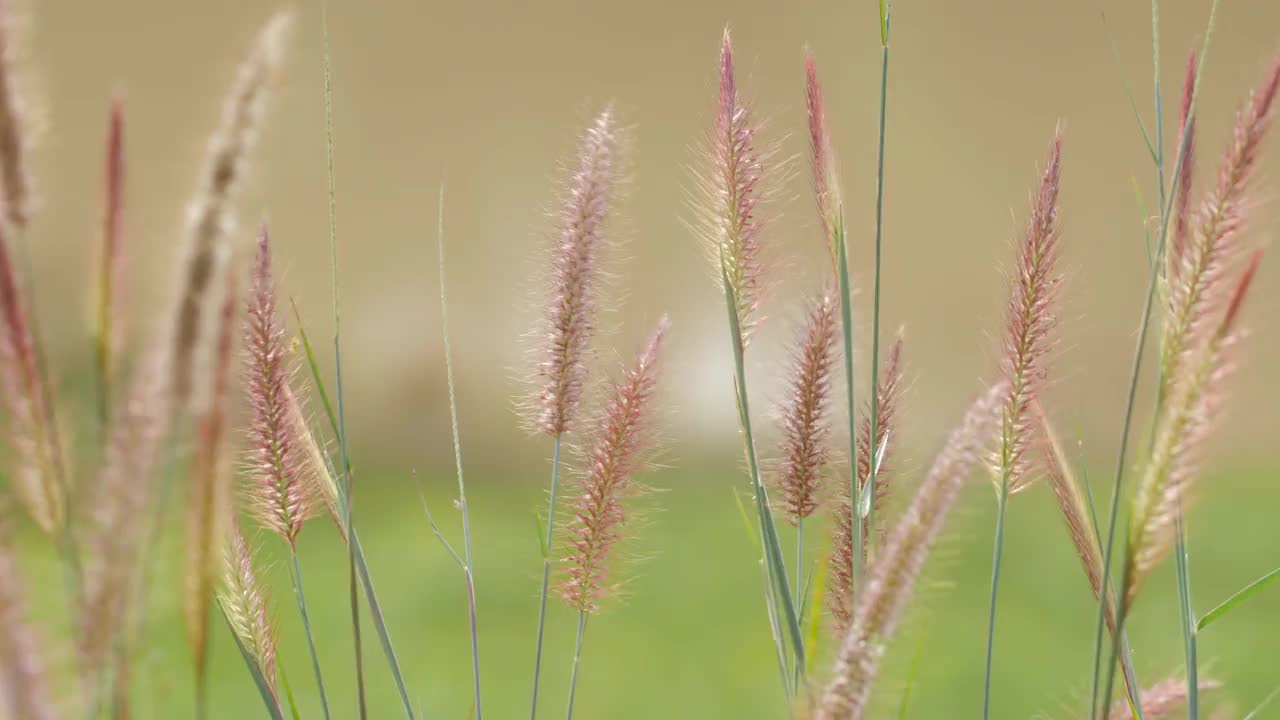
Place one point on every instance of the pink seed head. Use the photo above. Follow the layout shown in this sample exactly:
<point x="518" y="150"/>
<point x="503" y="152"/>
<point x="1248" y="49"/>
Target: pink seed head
<point x="570" y="318"/>
<point x="805" y="425"/>
<point x="599" y="514"/>
<point x="278" y="495"/>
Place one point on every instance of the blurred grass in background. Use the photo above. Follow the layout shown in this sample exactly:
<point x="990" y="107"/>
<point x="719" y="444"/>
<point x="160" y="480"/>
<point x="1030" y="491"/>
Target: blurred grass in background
<point x="489" y="100"/>
<point x="691" y="638"/>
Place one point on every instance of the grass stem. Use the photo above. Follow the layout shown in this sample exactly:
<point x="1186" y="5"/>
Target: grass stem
<point x="306" y="626"/>
<point x="577" y="656"/>
<point x="546" y="574"/>
<point x="457" y="457"/>
<point x="1130" y="401"/>
<point x="997" y="555"/>
<point x="874" y="446"/>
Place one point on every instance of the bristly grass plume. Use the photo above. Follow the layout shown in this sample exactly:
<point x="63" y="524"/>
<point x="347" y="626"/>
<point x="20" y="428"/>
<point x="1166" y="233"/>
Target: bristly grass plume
<point x="278" y="493"/>
<point x="893" y="571"/>
<point x="210" y="223"/>
<point x="570" y="318"/>
<point x="1030" y="321"/>
<point x="24" y="684"/>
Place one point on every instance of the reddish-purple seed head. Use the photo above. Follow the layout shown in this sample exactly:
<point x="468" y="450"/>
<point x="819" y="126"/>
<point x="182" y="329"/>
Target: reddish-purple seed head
<point x="570" y="318"/>
<point x="1030" y="323"/>
<point x="279" y="495"/>
<point x="599" y="515"/>
<point x="805" y="425"/>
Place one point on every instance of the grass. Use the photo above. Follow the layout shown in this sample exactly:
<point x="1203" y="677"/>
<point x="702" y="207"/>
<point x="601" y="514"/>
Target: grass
<point x="699" y="554"/>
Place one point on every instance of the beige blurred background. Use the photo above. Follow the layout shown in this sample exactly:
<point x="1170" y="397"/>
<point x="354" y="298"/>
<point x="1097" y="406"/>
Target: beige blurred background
<point x="488" y="97"/>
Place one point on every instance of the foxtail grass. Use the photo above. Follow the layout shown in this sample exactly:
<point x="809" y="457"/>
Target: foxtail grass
<point x="569" y="320"/>
<point x="111" y="264"/>
<point x="208" y="507"/>
<point x="1029" y="339"/>
<point x="598" y="522"/>
<point x="732" y="186"/>
<point x="895" y="569"/>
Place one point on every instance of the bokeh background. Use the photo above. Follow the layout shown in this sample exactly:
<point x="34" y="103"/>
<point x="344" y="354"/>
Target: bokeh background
<point x="487" y="98"/>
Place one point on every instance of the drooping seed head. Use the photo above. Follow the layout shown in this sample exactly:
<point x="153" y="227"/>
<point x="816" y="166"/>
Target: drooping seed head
<point x="1196" y="288"/>
<point x="210" y="223"/>
<point x="1030" y="322"/>
<point x="569" y="321"/>
<point x="732" y="186"/>
<point x="278" y="494"/>
<point x="1185" y="424"/>
<point x="891" y="577"/>
<point x="245" y="601"/>
<point x="822" y="161"/>
<point x="805" y="425"/>
<point x="599" y="515"/>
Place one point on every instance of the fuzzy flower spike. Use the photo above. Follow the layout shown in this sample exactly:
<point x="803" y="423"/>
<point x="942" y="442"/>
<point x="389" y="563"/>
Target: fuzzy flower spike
<point x="279" y="494"/>
<point x="730" y="190"/>
<point x="1029" y="326"/>
<point x="826" y="183"/>
<point x="570" y="317"/>
<point x="599" y="516"/>
<point x="805" y="425"/>
<point x="897" y="565"/>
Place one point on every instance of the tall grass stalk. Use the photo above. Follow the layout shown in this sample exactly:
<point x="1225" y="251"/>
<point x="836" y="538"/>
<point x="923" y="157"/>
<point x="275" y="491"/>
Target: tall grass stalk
<point x="457" y="458"/>
<point x="345" y="468"/>
<point x="577" y="655"/>
<point x="886" y="9"/>
<point x="1186" y="613"/>
<point x="1131" y="399"/>
<point x="774" y="564"/>
<point x="846" y="329"/>
<point x="301" y="596"/>
<point x="546" y="571"/>
<point x="362" y="565"/>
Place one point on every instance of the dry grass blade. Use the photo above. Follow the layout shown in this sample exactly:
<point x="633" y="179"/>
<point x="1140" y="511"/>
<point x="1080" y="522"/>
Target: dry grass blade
<point x="893" y="572"/>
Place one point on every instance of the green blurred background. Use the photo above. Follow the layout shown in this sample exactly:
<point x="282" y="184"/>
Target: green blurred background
<point x="487" y="97"/>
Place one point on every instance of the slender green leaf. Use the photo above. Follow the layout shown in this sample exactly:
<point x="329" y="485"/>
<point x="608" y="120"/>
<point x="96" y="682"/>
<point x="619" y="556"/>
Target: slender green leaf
<point x="379" y="623"/>
<point x="1230" y="603"/>
<point x="288" y="692"/>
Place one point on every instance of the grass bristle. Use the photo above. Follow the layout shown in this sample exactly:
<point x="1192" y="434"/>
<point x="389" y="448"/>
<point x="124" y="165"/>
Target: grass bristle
<point x="805" y="425"/>
<point x="599" y="514"/>
<point x="210" y="224"/>
<point x="571" y="314"/>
